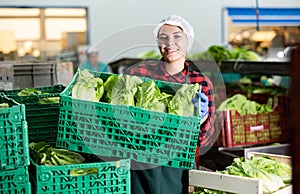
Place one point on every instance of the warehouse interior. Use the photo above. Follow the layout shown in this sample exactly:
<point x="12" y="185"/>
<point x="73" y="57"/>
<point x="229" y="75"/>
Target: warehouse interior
<point x="245" y="48"/>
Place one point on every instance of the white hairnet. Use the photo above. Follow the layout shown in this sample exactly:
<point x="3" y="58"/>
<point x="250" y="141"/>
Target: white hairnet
<point x="176" y="20"/>
<point x="92" y="50"/>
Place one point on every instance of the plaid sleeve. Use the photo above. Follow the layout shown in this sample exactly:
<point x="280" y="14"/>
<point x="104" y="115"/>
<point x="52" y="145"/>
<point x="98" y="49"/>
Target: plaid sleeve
<point x="207" y="128"/>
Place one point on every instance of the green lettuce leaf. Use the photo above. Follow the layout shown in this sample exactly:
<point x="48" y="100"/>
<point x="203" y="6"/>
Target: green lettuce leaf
<point x="29" y="92"/>
<point x="108" y="86"/>
<point x="4" y="105"/>
<point x="283" y="170"/>
<point x="233" y="103"/>
<point x="49" y="100"/>
<point x="181" y="103"/>
<point x="147" y="92"/>
<point x="124" y="90"/>
<point x="248" y="108"/>
<point x="149" y="97"/>
<point x="256" y="167"/>
<point x="87" y="87"/>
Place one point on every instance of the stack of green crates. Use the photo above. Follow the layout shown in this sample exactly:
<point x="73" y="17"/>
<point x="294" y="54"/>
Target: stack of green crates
<point x="42" y="118"/>
<point x="14" y="152"/>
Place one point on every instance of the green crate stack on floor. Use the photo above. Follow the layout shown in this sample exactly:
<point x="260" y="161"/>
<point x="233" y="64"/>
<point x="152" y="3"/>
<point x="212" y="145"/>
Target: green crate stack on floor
<point x="41" y="111"/>
<point x="14" y="152"/>
<point x="92" y="176"/>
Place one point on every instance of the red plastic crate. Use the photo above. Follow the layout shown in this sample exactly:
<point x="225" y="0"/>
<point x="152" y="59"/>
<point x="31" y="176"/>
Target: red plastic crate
<point x="281" y="103"/>
<point x="240" y="130"/>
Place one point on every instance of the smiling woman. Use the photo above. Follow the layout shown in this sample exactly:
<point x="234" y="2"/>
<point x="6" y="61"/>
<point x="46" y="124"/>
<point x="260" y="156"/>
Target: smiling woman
<point x="175" y="38"/>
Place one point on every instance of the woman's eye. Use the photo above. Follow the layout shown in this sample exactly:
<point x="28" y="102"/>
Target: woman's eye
<point x="177" y="36"/>
<point x="163" y="38"/>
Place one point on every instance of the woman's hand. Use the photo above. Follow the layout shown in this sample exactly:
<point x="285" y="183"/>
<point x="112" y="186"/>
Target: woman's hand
<point x="203" y="105"/>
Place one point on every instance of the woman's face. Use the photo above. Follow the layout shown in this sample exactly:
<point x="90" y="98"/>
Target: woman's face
<point x="172" y="43"/>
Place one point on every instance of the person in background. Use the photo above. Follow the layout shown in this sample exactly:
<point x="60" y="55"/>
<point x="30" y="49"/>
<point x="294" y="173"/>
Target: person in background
<point x="93" y="63"/>
<point x="278" y="41"/>
<point x="175" y="38"/>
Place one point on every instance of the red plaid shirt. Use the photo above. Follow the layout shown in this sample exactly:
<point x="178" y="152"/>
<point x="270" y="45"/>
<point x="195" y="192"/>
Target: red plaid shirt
<point x="155" y="70"/>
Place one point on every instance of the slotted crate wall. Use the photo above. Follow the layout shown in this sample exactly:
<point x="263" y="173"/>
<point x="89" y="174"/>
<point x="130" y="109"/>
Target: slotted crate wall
<point x="108" y="177"/>
<point x="15" y="181"/>
<point x="13" y="136"/>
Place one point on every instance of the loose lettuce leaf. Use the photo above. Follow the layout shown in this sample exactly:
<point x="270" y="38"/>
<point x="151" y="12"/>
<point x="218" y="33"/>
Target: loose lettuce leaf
<point x="146" y="93"/>
<point x="87" y="87"/>
<point x="263" y="108"/>
<point x="271" y="182"/>
<point x="49" y="100"/>
<point x="250" y="56"/>
<point x="108" y="86"/>
<point x="271" y="165"/>
<point x="29" y="92"/>
<point x="255" y="167"/>
<point x="149" y="97"/>
<point x="4" y="105"/>
<point x="165" y="98"/>
<point x="84" y="75"/>
<point x="233" y="103"/>
<point x="98" y="85"/>
<point x="219" y="53"/>
<point x="124" y="90"/>
<point x="248" y="108"/>
<point x="181" y="104"/>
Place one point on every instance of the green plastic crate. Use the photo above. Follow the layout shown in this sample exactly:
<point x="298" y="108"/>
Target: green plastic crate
<point x="109" y="177"/>
<point x="15" y="181"/>
<point x="42" y="118"/>
<point x="127" y="131"/>
<point x="14" y="151"/>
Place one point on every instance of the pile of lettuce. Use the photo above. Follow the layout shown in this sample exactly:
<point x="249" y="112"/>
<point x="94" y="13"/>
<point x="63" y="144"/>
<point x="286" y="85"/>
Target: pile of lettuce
<point x="133" y="91"/>
<point x="220" y="53"/>
<point x="243" y="106"/>
<point x="41" y="100"/>
<point x="273" y="173"/>
<point x="249" y="89"/>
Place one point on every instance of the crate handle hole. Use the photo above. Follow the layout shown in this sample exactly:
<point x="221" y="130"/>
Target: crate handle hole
<point x="83" y="171"/>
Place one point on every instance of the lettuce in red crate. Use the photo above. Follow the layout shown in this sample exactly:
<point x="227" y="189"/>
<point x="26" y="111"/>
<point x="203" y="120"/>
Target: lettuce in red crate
<point x="244" y="106"/>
